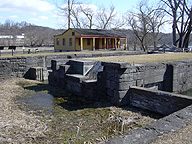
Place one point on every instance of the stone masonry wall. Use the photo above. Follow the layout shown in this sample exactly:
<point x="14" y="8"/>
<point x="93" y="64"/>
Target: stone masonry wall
<point x="18" y="66"/>
<point x="182" y="75"/>
<point x="116" y="78"/>
<point x="158" y="101"/>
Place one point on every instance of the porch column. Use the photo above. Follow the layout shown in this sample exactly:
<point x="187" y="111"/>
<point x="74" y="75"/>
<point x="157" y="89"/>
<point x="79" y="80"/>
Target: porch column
<point x="93" y="47"/>
<point x="115" y="43"/>
<point x="81" y="48"/>
<point x="105" y="43"/>
<point x="75" y="44"/>
<point x="126" y="43"/>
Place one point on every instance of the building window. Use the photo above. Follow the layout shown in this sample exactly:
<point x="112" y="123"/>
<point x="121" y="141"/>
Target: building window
<point x="73" y="33"/>
<point x="79" y="41"/>
<point x="70" y="41"/>
<point x="57" y="40"/>
<point x="88" y="42"/>
<point x="63" y="41"/>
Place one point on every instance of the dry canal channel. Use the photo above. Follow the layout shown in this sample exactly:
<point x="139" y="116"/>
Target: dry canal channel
<point x="74" y="119"/>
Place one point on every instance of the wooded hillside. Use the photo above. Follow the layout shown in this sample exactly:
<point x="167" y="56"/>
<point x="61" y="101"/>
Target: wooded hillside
<point x="43" y="36"/>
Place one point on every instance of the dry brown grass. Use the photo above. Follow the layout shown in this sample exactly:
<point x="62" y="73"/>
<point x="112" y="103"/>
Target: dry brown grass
<point x="15" y="125"/>
<point x="146" y="58"/>
<point x="183" y="136"/>
<point x="64" y="53"/>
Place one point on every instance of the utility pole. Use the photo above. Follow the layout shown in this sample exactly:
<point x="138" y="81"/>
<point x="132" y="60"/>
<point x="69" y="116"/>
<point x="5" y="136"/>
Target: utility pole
<point x="69" y="14"/>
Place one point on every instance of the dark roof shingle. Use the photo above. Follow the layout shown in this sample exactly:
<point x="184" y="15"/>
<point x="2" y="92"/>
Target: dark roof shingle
<point x="100" y="32"/>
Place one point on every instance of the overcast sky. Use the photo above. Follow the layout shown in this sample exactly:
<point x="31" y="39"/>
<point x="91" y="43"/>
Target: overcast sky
<point x="45" y="12"/>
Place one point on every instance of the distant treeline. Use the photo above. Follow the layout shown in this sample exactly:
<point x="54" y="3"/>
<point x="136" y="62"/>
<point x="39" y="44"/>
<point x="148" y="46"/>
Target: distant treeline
<point x="34" y="35"/>
<point x="44" y="36"/>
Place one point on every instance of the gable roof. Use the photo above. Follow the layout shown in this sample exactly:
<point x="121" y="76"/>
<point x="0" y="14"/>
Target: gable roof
<point x="99" y="32"/>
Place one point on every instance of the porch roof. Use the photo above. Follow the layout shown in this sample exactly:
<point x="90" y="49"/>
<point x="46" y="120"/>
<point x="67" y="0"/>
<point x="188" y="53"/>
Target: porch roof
<point x="99" y="32"/>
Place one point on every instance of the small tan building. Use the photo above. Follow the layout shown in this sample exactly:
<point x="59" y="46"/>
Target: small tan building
<point x="75" y="39"/>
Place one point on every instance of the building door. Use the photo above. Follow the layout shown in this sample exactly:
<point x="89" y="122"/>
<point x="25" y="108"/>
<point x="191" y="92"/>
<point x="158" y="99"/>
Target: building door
<point x="97" y="43"/>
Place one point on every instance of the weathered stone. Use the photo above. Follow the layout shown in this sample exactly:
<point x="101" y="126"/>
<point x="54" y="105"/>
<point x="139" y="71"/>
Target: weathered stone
<point x="116" y="65"/>
<point x="153" y="79"/>
<point x="108" y="84"/>
<point x="37" y="73"/>
<point x="120" y="94"/>
<point x="76" y="77"/>
<point x="74" y="87"/>
<point x="125" y="85"/>
<point x="56" y="63"/>
<point x="158" y="101"/>
<point x="138" y="75"/>
<point x="110" y="92"/>
<point x="125" y="77"/>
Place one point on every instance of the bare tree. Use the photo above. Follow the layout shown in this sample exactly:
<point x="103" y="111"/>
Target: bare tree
<point x="189" y="29"/>
<point x="156" y="21"/>
<point x="66" y="10"/>
<point x="181" y="14"/>
<point x="89" y="13"/>
<point x="119" y="21"/>
<point x="104" y="17"/>
<point x="174" y="6"/>
<point x="75" y="16"/>
<point x="139" y="23"/>
<point x="146" y="24"/>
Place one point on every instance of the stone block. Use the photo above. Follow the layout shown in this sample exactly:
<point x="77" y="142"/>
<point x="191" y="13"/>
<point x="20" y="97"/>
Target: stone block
<point x="116" y="65"/>
<point x="81" y="66"/>
<point x="138" y="75"/>
<point x="108" y="84"/>
<point x="56" y="63"/>
<point x="139" y="67"/>
<point x="126" y="85"/>
<point x="120" y="94"/>
<point x="125" y="77"/>
<point x="114" y="84"/>
<point x="76" y="77"/>
<point x="96" y="55"/>
<point x="73" y="87"/>
<point x="37" y="73"/>
<point x="131" y="69"/>
<point x="110" y="74"/>
<point x="110" y="92"/>
<point x="153" y="79"/>
<point x="139" y="82"/>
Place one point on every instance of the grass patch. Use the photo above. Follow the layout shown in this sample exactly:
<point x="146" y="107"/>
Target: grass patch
<point x="147" y="58"/>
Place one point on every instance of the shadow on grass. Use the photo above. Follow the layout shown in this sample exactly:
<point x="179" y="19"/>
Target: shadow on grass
<point x="68" y="101"/>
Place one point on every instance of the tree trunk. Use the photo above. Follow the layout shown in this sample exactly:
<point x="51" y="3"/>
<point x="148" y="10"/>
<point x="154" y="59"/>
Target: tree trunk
<point x="187" y="37"/>
<point x="174" y="27"/>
